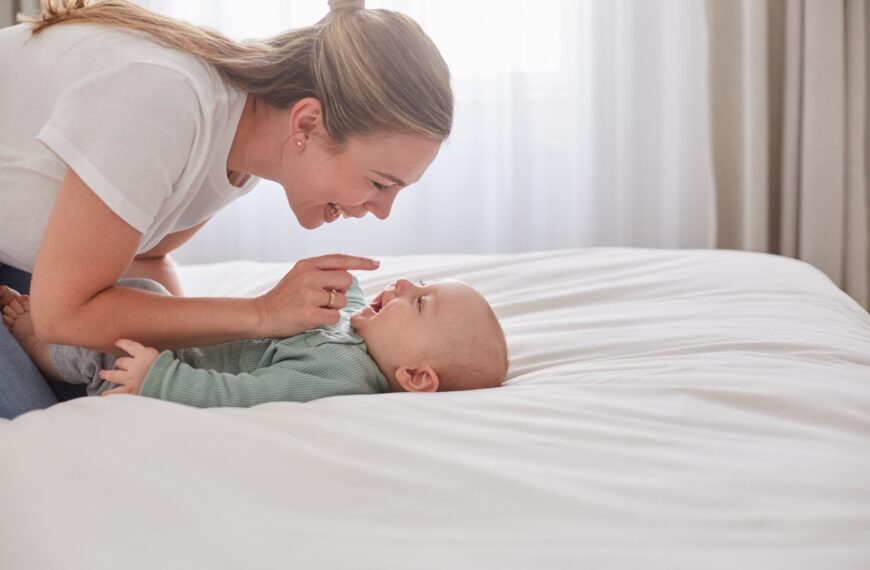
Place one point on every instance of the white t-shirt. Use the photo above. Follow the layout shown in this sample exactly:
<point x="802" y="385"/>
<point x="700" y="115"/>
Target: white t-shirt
<point x="146" y="127"/>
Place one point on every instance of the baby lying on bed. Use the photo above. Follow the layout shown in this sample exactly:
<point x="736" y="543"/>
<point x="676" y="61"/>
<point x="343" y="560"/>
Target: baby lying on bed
<point x="414" y="338"/>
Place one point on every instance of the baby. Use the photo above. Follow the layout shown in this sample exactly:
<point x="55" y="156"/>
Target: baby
<point x="412" y="337"/>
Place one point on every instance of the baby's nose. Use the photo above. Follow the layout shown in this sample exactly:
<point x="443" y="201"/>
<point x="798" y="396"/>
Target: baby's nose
<point x="402" y="285"/>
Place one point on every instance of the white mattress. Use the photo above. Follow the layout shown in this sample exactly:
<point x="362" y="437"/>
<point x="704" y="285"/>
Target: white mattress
<point x="664" y="409"/>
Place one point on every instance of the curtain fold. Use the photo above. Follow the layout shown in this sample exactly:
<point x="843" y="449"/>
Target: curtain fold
<point x="789" y="129"/>
<point x="9" y="9"/>
<point x="7" y="13"/>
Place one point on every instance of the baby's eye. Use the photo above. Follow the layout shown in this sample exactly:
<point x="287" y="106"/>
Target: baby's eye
<point x="419" y="304"/>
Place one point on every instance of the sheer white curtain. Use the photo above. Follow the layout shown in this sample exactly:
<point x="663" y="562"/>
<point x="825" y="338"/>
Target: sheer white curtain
<point x="578" y="123"/>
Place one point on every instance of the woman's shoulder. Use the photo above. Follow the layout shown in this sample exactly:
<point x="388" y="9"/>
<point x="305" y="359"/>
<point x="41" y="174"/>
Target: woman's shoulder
<point x="90" y="50"/>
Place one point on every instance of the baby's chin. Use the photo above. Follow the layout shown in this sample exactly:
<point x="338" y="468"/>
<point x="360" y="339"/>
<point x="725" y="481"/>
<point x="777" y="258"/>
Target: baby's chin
<point x="358" y="322"/>
<point x="358" y="318"/>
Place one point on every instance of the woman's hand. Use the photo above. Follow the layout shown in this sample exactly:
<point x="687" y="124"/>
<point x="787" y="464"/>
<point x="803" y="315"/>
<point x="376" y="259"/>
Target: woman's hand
<point x="301" y="300"/>
<point x="130" y="371"/>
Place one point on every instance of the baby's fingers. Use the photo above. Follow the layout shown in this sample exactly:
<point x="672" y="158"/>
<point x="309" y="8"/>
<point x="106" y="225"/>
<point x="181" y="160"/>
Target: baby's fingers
<point x="131" y="347"/>
<point x="114" y="376"/>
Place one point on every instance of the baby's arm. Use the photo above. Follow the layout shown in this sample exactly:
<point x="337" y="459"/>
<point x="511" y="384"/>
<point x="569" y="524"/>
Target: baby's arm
<point x="190" y="371"/>
<point x="226" y="374"/>
<point x="175" y="381"/>
<point x="234" y="357"/>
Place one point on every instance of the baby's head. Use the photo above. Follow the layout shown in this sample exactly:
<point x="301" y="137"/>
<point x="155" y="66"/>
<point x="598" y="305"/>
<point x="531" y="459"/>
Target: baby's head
<point x="433" y="337"/>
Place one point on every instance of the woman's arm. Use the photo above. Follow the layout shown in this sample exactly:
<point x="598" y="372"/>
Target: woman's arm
<point x="156" y="264"/>
<point x="86" y="248"/>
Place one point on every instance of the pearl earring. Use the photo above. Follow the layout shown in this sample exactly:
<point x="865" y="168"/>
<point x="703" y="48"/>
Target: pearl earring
<point x="298" y="143"/>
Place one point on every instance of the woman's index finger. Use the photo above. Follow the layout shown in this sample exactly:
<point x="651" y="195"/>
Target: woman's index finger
<point x="346" y="262"/>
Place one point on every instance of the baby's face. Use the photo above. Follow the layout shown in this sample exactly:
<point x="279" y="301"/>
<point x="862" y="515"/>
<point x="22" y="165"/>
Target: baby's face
<point x="406" y="318"/>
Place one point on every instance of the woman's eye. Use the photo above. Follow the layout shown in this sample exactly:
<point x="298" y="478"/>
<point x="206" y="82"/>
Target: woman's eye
<point x="379" y="187"/>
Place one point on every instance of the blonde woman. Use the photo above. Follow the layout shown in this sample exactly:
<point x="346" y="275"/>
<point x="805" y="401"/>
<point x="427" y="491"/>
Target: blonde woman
<point x="124" y="131"/>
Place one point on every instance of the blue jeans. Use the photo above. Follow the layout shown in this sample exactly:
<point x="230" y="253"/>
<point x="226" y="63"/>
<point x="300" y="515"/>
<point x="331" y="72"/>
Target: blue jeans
<point x="22" y="387"/>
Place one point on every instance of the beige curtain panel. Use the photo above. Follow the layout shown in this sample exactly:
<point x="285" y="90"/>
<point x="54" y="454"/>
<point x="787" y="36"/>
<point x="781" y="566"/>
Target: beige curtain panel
<point x="790" y="123"/>
<point x="10" y="8"/>
<point x="7" y="13"/>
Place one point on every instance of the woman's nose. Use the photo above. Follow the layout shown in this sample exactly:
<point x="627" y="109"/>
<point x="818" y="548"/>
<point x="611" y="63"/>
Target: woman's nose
<point x="381" y="205"/>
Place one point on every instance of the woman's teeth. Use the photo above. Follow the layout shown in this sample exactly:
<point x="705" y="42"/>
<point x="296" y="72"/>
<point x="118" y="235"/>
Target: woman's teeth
<point x="336" y="210"/>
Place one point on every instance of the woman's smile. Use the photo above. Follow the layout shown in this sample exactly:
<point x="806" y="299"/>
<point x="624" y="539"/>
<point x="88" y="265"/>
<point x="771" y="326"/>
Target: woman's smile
<point x="334" y="210"/>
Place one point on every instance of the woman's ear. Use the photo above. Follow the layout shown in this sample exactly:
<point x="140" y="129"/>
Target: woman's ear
<point x="305" y="116"/>
<point x="422" y="379"/>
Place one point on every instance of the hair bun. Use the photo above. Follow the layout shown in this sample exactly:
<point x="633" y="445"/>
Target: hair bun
<point x="346" y="5"/>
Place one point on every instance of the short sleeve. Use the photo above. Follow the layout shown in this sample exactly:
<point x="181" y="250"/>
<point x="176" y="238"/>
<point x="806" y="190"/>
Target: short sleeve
<point x="127" y="133"/>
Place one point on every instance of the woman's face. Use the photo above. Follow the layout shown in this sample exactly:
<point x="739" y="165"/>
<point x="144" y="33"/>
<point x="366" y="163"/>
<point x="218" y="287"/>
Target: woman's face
<point x="364" y="176"/>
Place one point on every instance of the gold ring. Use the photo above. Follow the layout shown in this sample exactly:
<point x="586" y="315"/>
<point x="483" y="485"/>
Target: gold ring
<point x="331" y="299"/>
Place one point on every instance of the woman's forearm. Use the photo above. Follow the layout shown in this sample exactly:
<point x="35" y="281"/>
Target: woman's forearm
<point x="85" y="249"/>
<point x="152" y="319"/>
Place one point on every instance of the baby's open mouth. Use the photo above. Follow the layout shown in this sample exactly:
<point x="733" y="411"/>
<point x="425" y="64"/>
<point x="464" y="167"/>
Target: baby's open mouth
<point x="377" y="303"/>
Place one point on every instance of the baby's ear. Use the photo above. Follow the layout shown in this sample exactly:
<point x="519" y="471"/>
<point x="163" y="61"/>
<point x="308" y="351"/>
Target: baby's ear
<point x="421" y="379"/>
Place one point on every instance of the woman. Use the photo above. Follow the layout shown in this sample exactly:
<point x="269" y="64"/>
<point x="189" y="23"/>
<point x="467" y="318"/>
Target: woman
<point x="124" y="131"/>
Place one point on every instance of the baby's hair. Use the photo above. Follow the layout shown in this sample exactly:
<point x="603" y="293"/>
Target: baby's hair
<point x="479" y="361"/>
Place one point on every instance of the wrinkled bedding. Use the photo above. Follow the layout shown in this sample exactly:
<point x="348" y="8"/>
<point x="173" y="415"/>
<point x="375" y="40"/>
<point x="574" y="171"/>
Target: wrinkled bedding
<point x="664" y="409"/>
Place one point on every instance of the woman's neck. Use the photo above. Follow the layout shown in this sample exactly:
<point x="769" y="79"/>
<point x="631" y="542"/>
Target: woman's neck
<point x="255" y="150"/>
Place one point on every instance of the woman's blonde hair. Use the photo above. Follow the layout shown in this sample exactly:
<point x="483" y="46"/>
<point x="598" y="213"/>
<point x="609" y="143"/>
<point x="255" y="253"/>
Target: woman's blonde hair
<point x="372" y="70"/>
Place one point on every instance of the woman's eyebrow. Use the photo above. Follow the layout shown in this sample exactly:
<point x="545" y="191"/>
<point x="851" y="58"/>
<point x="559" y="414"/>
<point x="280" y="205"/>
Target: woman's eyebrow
<point x="390" y="177"/>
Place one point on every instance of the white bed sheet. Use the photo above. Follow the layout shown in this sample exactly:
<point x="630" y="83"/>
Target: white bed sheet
<point x="664" y="409"/>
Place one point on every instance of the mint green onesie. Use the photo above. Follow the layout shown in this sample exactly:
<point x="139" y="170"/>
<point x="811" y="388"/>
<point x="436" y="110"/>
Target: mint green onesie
<point x="330" y="360"/>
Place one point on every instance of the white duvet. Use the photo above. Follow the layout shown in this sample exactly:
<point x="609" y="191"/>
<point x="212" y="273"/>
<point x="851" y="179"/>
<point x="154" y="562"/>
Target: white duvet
<point x="664" y="409"/>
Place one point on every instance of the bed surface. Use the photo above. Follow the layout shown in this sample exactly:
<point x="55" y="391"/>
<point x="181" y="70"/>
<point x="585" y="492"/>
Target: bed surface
<point x="664" y="409"/>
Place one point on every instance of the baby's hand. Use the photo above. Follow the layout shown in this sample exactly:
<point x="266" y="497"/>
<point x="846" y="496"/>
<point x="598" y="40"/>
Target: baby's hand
<point x="129" y="372"/>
